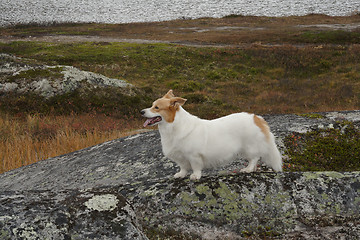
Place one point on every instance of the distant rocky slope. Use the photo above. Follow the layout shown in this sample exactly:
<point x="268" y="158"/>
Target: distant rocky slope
<point x="21" y="76"/>
<point x="28" y="86"/>
<point x="124" y="189"/>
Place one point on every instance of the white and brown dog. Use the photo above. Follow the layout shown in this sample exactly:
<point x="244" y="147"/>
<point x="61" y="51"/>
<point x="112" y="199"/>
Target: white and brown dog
<point x="195" y="143"/>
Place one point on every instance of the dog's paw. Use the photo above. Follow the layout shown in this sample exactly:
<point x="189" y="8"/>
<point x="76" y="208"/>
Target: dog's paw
<point x="246" y="170"/>
<point x="194" y="176"/>
<point x="180" y="175"/>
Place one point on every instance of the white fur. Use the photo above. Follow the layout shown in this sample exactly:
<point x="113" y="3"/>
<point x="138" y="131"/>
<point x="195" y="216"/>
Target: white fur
<point x="194" y="143"/>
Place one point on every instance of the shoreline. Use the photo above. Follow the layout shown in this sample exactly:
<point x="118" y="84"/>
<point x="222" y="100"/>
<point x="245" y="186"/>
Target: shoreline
<point x="61" y="22"/>
<point x="144" y="11"/>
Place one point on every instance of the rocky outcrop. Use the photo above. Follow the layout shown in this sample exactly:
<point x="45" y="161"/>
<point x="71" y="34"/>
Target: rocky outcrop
<point x="72" y="214"/>
<point x="288" y="205"/>
<point x="123" y="189"/>
<point x="261" y="204"/>
<point x="22" y="76"/>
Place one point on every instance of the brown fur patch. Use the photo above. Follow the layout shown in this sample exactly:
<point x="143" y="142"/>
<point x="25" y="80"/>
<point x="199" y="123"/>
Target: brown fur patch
<point x="162" y="106"/>
<point x="264" y="127"/>
<point x="167" y="106"/>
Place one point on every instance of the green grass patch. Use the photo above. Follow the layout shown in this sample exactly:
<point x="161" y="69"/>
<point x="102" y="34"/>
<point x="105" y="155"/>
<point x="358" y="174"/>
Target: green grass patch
<point x="169" y="61"/>
<point x="336" y="149"/>
<point x="263" y="80"/>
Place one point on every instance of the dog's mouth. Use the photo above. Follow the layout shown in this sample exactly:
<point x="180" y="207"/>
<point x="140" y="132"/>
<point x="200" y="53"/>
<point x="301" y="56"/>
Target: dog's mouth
<point x="152" y="121"/>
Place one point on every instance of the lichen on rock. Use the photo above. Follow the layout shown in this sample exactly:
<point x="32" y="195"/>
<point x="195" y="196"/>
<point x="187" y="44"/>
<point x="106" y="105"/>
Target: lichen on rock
<point x="86" y="214"/>
<point x="106" y="202"/>
<point x="258" y="204"/>
<point x="123" y="189"/>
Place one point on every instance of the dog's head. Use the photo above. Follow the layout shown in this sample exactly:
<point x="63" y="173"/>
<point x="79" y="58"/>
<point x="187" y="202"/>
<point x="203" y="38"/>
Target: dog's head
<point x="163" y="110"/>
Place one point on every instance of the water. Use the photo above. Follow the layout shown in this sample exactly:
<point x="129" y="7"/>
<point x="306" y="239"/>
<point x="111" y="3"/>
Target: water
<point x="125" y="11"/>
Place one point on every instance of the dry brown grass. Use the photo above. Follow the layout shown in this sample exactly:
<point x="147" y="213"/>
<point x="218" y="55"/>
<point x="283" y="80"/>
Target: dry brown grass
<point x="28" y="139"/>
<point x="234" y="30"/>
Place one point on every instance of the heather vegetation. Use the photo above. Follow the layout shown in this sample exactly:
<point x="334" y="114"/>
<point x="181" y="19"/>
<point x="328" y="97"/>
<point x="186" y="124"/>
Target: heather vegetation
<point x="269" y="65"/>
<point x="337" y="149"/>
<point x="220" y="80"/>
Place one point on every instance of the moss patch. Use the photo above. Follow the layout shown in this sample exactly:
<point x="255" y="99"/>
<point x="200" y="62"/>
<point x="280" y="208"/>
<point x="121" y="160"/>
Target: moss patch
<point x="34" y="74"/>
<point x="107" y="101"/>
<point x="312" y="115"/>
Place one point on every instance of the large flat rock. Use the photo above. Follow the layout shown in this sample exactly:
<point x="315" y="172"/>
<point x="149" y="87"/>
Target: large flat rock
<point x="322" y="205"/>
<point x="138" y="158"/>
<point x="124" y="189"/>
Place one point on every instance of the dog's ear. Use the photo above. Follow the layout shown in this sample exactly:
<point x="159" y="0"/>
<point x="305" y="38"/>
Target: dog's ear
<point x="169" y="94"/>
<point x="177" y="102"/>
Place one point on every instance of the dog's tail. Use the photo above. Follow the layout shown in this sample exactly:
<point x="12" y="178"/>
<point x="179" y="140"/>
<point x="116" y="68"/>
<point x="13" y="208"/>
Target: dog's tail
<point x="273" y="158"/>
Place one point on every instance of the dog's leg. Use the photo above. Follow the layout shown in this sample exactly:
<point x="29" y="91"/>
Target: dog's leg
<point x="251" y="167"/>
<point x="196" y="165"/>
<point x="184" y="167"/>
<point x="196" y="175"/>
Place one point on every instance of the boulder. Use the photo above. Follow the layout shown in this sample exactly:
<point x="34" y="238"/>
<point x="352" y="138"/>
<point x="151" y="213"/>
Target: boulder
<point x="22" y="76"/>
<point x="124" y="189"/>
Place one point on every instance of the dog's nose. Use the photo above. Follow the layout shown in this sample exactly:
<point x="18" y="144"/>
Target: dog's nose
<point x="142" y="112"/>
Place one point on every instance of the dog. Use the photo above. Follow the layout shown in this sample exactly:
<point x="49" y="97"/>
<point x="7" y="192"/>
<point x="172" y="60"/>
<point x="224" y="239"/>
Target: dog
<point x="195" y="144"/>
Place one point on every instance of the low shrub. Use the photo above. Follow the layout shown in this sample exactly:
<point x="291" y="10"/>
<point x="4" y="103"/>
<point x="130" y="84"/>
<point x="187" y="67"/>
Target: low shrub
<point x="334" y="149"/>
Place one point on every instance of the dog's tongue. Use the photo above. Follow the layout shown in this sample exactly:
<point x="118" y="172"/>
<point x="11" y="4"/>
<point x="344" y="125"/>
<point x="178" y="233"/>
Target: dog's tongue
<point x="151" y="121"/>
<point x="147" y="122"/>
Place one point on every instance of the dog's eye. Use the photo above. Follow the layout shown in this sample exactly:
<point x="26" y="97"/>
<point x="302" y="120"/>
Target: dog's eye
<point x="156" y="107"/>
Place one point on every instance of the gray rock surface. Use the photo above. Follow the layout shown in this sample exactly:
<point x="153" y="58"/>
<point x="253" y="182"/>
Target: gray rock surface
<point x="74" y="214"/>
<point x="124" y="189"/>
<point x="324" y="205"/>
